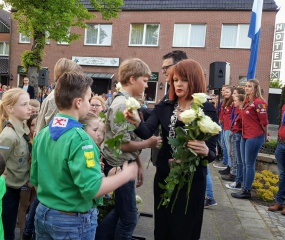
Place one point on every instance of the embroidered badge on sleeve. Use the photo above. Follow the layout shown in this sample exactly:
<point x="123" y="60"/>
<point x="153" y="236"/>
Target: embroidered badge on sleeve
<point x="89" y="156"/>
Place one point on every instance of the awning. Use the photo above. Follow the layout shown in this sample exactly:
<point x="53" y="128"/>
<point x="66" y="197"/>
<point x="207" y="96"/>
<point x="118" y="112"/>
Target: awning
<point x="4" y="61"/>
<point x="100" y="75"/>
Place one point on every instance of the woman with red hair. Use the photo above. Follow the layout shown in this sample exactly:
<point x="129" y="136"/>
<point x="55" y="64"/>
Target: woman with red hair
<point x="185" y="79"/>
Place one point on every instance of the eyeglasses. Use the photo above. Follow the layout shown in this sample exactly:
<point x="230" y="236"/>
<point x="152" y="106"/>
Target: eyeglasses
<point x="95" y="105"/>
<point x="164" y="68"/>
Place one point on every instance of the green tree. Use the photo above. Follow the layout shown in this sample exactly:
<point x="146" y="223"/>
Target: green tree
<point x="275" y="83"/>
<point x="53" y="19"/>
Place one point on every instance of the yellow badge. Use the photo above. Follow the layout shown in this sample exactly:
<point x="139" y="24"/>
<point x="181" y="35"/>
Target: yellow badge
<point x="89" y="156"/>
<point x="257" y="110"/>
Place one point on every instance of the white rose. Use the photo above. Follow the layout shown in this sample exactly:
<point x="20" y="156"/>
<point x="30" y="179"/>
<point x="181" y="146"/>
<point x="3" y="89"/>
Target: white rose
<point x="138" y="199"/>
<point x="216" y="129"/>
<point x="199" y="98"/>
<point x="200" y="113"/>
<point x="132" y="104"/>
<point x="188" y="116"/>
<point x="118" y="87"/>
<point x="206" y="125"/>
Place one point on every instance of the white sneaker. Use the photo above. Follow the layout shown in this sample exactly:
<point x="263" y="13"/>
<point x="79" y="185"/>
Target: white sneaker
<point x="220" y="165"/>
<point x="234" y="186"/>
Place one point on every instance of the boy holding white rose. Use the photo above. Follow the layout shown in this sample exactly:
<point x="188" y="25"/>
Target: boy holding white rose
<point x="133" y="76"/>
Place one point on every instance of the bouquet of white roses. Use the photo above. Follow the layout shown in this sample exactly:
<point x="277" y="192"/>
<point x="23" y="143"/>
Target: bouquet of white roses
<point x="198" y="126"/>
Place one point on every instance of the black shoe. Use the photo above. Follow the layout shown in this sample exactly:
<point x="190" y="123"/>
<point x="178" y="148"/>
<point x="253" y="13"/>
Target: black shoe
<point x="225" y="171"/>
<point x="229" y="177"/>
<point x="243" y="194"/>
<point x="27" y="237"/>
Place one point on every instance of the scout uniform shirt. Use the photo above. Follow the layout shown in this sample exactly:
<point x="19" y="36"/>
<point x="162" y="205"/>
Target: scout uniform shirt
<point x="48" y="111"/>
<point x="253" y="115"/>
<point x="113" y="129"/>
<point x="16" y="154"/>
<point x="66" y="167"/>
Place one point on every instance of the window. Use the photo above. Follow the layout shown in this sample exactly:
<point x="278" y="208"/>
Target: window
<point x="98" y="34"/>
<point x="235" y="36"/>
<point x="24" y="39"/>
<point x="4" y="48"/>
<point x="189" y="35"/>
<point x="150" y="92"/>
<point x="144" y="34"/>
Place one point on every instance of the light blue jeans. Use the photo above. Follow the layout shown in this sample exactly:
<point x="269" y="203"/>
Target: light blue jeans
<point x="280" y="157"/>
<point x="249" y="149"/>
<point x="209" y="185"/>
<point x="224" y="148"/>
<point x="228" y="147"/>
<point x="53" y="224"/>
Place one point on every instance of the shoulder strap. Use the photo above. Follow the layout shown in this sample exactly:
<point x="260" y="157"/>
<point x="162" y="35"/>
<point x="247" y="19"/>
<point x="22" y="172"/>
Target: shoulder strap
<point x="26" y="137"/>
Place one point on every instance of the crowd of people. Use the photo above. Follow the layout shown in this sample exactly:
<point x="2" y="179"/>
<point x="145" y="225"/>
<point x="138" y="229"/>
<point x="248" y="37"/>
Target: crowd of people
<point x="56" y="167"/>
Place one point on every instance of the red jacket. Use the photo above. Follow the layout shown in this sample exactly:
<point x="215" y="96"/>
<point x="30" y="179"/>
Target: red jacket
<point x="281" y="131"/>
<point x="236" y="122"/>
<point x="254" y="116"/>
<point x="225" y="115"/>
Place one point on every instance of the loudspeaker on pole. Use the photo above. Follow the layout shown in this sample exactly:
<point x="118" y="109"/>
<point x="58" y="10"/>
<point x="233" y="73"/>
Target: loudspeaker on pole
<point x="43" y="77"/>
<point x="219" y="75"/>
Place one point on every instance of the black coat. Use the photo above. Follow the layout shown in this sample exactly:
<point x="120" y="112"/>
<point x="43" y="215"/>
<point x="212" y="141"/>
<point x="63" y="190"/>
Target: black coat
<point x="177" y="225"/>
<point x="161" y="115"/>
<point x="31" y="91"/>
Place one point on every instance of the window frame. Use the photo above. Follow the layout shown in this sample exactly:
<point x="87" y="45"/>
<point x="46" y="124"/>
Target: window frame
<point x="189" y="34"/>
<point x="99" y="32"/>
<point x="25" y="42"/>
<point x="144" y="35"/>
<point x="237" y="39"/>
<point x="4" y="48"/>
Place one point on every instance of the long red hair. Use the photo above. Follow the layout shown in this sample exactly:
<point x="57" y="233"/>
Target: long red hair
<point x="191" y="71"/>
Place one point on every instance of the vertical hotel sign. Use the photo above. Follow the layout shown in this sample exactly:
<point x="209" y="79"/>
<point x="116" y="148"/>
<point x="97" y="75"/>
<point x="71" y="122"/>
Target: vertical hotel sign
<point x="277" y="51"/>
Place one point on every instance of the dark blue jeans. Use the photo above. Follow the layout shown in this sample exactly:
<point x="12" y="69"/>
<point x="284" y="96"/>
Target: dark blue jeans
<point x="280" y="157"/>
<point x="125" y="205"/>
<point x="29" y="229"/>
<point x="53" y="224"/>
<point x="249" y="148"/>
<point x="10" y="204"/>
<point x="107" y="227"/>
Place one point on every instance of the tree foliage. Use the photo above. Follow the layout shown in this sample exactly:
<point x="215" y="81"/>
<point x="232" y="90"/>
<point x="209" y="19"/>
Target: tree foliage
<point x="275" y="83"/>
<point x="53" y="19"/>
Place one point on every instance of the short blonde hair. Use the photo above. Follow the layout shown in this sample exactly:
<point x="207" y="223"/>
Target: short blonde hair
<point x="34" y="103"/>
<point x="66" y="65"/>
<point x="133" y="67"/>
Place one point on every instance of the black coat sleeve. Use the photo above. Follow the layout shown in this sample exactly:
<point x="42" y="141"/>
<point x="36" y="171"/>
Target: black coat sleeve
<point x="210" y="111"/>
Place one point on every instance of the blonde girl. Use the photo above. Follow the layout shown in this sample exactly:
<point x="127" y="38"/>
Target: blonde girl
<point x="94" y="127"/>
<point x="14" y="110"/>
<point x="27" y="192"/>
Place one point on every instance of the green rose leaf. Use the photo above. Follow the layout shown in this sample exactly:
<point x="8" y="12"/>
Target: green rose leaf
<point x="120" y="118"/>
<point x="131" y="127"/>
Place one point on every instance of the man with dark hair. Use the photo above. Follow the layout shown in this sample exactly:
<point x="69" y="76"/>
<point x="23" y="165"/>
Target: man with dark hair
<point x="170" y="59"/>
<point x="28" y="88"/>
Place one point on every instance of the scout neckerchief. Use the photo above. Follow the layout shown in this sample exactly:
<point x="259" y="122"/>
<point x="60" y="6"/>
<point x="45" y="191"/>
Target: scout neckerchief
<point x="26" y="137"/>
<point x="233" y="120"/>
<point x="245" y="107"/>
<point x="59" y="125"/>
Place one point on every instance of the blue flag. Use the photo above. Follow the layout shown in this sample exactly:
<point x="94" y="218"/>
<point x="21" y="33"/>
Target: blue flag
<point x="254" y="34"/>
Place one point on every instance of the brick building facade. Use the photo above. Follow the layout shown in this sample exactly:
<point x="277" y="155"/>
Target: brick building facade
<point x="214" y="17"/>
